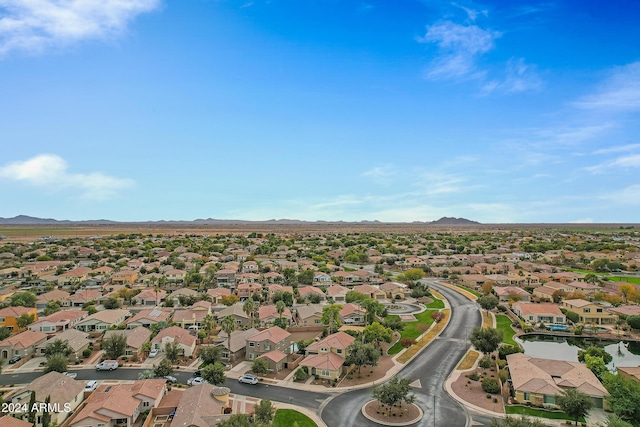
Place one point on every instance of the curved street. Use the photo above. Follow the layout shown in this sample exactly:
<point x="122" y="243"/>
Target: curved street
<point x="431" y="368"/>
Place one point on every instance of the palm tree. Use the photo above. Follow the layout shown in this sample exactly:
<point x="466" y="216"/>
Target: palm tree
<point x="228" y="325"/>
<point x="208" y="324"/>
<point x="280" y="307"/>
<point x="249" y="307"/>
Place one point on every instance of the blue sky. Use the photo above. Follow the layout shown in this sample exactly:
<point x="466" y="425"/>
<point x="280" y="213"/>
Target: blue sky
<point x="404" y="110"/>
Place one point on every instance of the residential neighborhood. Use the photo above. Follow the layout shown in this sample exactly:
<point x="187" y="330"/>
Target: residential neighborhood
<point x="294" y="311"/>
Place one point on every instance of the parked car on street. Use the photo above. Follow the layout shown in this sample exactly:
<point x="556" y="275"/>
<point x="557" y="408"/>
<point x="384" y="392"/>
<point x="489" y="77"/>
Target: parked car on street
<point x="248" y="379"/>
<point x="107" y="365"/>
<point x="171" y="379"/>
<point x="196" y="381"/>
<point x="70" y="374"/>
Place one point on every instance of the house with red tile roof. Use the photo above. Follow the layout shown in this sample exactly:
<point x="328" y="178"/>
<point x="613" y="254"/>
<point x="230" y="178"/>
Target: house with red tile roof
<point x="119" y="404"/>
<point x="306" y="291"/>
<point x="326" y="366"/>
<point x="148" y="317"/>
<point x="246" y="290"/>
<point x="23" y="344"/>
<point x="370" y="291"/>
<point x="201" y="406"/>
<point x="150" y="297"/>
<point x="338" y="293"/>
<point x="135" y="337"/>
<point x="547" y="313"/>
<point x="58" y="321"/>
<point x="274" y="338"/>
<point x="9" y="421"/>
<point x="267" y="314"/>
<point x="9" y="316"/>
<point x="185" y="340"/>
<point x="511" y="293"/>
<point x="216" y="294"/>
<point x="352" y="314"/>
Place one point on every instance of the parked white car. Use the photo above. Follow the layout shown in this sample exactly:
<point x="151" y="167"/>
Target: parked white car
<point x="196" y="381"/>
<point x="248" y="379"/>
<point x="153" y="352"/>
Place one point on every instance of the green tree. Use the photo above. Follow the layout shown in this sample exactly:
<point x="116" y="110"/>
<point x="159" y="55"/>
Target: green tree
<point x="615" y="421"/>
<point x="52" y="307"/>
<point x="260" y="366"/>
<point x="634" y="322"/>
<point x="373" y="308"/>
<point x="486" y="340"/>
<point x="264" y="412"/>
<point x="209" y="354"/>
<point x="624" y="395"/>
<point x="393" y="393"/>
<point x="488" y="302"/>
<point x="354" y="296"/>
<point x="172" y="351"/>
<point x="112" y="303"/>
<point x="228" y="325"/>
<point x="596" y="365"/>
<point x="4" y="333"/>
<point x="290" y="278"/>
<point x="360" y="354"/>
<point x="237" y="420"/>
<point x="574" y="403"/>
<point x="393" y="322"/>
<point x="510" y="421"/>
<point x="46" y="416"/>
<point x="58" y="347"/>
<point x="114" y="346"/>
<point x="412" y="275"/>
<point x="208" y="324"/>
<point x="214" y="373"/>
<point x="375" y="333"/>
<point x="331" y="317"/>
<point x="56" y="362"/>
<point x="249" y="307"/>
<point x="31" y="415"/>
<point x="162" y="369"/>
<point x="306" y="277"/>
<point x="25" y="320"/>
<point x="595" y="351"/>
<point x="280" y="308"/>
<point x="23" y="299"/>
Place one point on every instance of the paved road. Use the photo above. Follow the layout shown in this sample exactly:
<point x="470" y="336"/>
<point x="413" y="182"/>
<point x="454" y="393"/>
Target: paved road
<point x="431" y="368"/>
<point x="307" y="399"/>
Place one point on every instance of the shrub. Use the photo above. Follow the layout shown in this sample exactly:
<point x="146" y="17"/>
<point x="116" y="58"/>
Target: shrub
<point x="490" y="385"/>
<point x="301" y="374"/>
<point x="485" y="363"/>
<point x="86" y="352"/>
<point x="502" y="363"/>
<point x="503" y="376"/>
<point x="474" y="376"/>
<point x="407" y="342"/>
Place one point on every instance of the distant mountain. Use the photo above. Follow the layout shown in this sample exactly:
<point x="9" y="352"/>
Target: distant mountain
<point x="30" y="220"/>
<point x="453" y="221"/>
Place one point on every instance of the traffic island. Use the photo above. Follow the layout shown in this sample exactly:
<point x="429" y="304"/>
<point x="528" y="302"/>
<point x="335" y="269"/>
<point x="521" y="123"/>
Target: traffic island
<point x="404" y="415"/>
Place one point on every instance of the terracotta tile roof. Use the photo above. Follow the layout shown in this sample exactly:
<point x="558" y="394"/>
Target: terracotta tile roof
<point x="339" y="340"/>
<point x="308" y="290"/>
<point x="15" y="311"/>
<point x="136" y="337"/>
<point x="150" y="314"/>
<point x="198" y="407"/>
<point x="306" y="311"/>
<point x="334" y="290"/>
<point x="108" y="316"/>
<point x="549" y="376"/>
<point x="180" y="335"/>
<point x="329" y="361"/>
<point x="542" y="308"/>
<point x="76" y="339"/>
<point x="64" y="316"/>
<point x="274" y="334"/>
<point x="274" y="355"/>
<point x="267" y="311"/>
<point x="24" y="340"/>
<point x="350" y="308"/>
<point x="9" y="421"/>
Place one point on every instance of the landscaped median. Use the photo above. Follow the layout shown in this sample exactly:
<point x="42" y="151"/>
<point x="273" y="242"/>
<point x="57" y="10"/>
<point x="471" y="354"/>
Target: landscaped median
<point x="419" y="326"/>
<point x="426" y="338"/>
<point x="535" y="412"/>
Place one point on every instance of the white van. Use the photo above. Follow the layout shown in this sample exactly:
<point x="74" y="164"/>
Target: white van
<point x="91" y="385"/>
<point x="107" y="365"/>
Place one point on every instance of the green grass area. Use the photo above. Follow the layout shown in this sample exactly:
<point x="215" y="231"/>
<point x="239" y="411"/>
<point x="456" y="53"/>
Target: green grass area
<point x="436" y="303"/>
<point x="286" y="418"/>
<point x="535" y="412"/>
<point x="503" y="323"/>
<point x="411" y="329"/>
<point x="476" y="293"/>
<point x="634" y="280"/>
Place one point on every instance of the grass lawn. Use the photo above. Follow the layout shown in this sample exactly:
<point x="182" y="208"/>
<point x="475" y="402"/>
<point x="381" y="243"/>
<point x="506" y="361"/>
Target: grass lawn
<point x="286" y="418"/>
<point x="476" y="293"/>
<point x="436" y="304"/>
<point x="503" y="323"/>
<point x="535" y="412"/>
<point x="411" y="329"/>
<point x="634" y="280"/>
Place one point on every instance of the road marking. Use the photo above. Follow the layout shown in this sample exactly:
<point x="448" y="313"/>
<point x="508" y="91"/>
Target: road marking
<point x="416" y="384"/>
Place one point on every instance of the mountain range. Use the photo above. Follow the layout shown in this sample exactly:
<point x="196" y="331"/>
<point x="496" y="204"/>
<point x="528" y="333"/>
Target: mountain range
<point x="29" y="220"/>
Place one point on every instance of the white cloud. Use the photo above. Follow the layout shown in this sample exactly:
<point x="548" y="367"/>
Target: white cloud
<point x="618" y="149"/>
<point x="624" y="162"/>
<point x="619" y="92"/>
<point x="50" y="171"/>
<point x="471" y="13"/>
<point x="519" y="77"/>
<point x="441" y="183"/>
<point x="460" y="47"/>
<point x="33" y="25"/>
<point x="629" y="196"/>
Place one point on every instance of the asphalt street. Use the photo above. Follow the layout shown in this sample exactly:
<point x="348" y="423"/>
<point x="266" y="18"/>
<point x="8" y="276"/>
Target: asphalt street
<point x="431" y="368"/>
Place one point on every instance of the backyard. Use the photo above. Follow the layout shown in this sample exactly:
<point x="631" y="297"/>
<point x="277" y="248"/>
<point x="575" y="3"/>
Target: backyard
<point x="503" y="323"/>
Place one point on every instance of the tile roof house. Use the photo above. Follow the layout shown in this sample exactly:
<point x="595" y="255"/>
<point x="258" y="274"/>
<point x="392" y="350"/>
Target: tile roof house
<point x="201" y="406"/>
<point x="148" y="317"/>
<point x="246" y="290"/>
<point x="9" y="421"/>
<point x="309" y="315"/>
<point x="394" y="290"/>
<point x="267" y="314"/>
<point x="306" y="291"/>
<point x="235" y="310"/>
<point x="370" y="291"/>
<point x="589" y="312"/>
<point x="352" y="314"/>
<point x="238" y="344"/>
<point x="22" y="344"/>
<point x="326" y="366"/>
<point x="61" y="390"/>
<point x="335" y="343"/>
<point x="338" y="293"/>
<point x="539" y="381"/>
<point x="511" y="293"/>
<point x="82" y="297"/>
<point x="103" y="320"/>
<point x="119" y="404"/>
<point x="276" y="360"/>
<point x="135" y="337"/>
<point x="58" y="321"/>
<point x="9" y="316"/>
<point x="185" y="340"/>
<point x="192" y="317"/>
<point x="77" y="341"/>
<point x="216" y="294"/>
<point x="547" y="313"/>
<point x="150" y="297"/>
<point x="55" y="295"/>
<point x="274" y="338"/>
